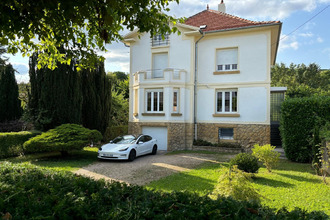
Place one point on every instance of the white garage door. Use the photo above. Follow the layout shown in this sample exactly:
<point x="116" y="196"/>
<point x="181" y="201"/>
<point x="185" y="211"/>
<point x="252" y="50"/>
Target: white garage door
<point x="159" y="133"/>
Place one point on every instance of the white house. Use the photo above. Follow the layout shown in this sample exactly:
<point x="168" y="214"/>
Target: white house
<point x="212" y="82"/>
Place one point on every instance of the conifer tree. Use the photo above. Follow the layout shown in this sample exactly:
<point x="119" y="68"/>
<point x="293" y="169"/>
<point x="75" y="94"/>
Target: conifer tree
<point x="10" y="105"/>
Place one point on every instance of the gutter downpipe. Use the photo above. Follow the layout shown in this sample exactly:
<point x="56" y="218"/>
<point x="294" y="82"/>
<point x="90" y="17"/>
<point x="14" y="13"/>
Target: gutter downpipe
<point x="195" y="84"/>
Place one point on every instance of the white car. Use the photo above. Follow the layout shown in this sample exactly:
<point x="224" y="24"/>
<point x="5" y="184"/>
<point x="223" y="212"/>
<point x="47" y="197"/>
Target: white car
<point x="128" y="147"/>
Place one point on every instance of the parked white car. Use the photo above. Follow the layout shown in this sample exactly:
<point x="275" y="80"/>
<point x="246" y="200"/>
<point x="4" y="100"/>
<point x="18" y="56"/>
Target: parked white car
<point x="128" y="147"/>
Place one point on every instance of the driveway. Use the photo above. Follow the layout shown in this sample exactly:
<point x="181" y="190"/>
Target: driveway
<point x="147" y="168"/>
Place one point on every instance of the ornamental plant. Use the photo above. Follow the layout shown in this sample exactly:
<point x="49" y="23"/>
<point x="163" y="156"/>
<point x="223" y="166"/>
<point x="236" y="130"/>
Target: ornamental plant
<point x="64" y="138"/>
<point x="267" y="155"/>
<point x="236" y="184"/>
<point x="246" y="162"/>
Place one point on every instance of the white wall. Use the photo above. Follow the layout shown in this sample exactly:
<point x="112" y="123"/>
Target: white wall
<point x="253" y="58"/>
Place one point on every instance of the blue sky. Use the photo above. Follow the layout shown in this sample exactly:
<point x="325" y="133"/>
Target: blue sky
<point x="308" y="44"/>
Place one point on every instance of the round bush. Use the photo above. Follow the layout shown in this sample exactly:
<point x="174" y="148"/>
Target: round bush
<point x="246" y="162"/>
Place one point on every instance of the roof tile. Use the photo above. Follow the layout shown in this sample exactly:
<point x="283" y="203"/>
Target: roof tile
<point x="216" y="20"/>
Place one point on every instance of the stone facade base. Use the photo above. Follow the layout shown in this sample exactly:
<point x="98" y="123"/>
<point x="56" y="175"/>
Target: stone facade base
<point x="180" y="136"/>
<point x="245" y="134"/>
<point x="219" y="149"/>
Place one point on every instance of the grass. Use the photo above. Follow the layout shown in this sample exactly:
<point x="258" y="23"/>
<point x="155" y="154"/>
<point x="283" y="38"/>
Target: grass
<point x="289" y="185"/>
<point x="54" y="160"/>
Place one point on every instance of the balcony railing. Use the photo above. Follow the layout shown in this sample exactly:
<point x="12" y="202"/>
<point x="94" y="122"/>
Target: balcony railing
<point x="158" y="40"/>
<point x="168" y="74"/>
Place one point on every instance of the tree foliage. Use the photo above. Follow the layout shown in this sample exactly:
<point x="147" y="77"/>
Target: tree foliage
<point x="301" y="80"/>
<point x="82" y="26"/>
<point x="64" y="95"/>
<point x="10" y="105"/>
<point x="120" y="96"/>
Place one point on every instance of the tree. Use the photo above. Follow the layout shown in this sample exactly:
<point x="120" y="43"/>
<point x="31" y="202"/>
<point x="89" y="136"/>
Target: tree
<point x="301" y="80"/>
<point x="56" y="96"/>
<point x="96" y="91"/>
<point x="82" y="26"/>
<point x="10" y="105"/>
<point x="64" y="95"/>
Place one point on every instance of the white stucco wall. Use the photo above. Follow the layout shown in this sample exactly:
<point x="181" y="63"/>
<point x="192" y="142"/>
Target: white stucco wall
<point x="253" y="57"/>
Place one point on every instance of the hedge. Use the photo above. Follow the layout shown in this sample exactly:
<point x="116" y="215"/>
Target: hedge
<point x="28" y="192"/>
<point x="63" y="138"/>
<point x="299" y="118"/>
<point x="114" y="131"/>
<point x="11" y="144"/>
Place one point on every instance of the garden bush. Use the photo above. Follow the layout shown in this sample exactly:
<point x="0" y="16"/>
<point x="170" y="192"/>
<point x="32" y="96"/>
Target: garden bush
<point x="33" y="193"/>
<point x="267" y="155"/>
<point x="63" y="138"/>
<point x="11" y="144"/>
<point x="246" y="162"/>
<point x="299" y="117"/>
<point x="236" y="184"/>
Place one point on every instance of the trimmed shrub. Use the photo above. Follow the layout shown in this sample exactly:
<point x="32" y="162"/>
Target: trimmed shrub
<point x="11" y="144"/>
<point x="299" y="117"/>
<point x="246" y="162"/>
<point x="63" y="138"/>
<point x="115" y="131"/>
<point x="267" y="155"/>
<point x="30" y="193"/>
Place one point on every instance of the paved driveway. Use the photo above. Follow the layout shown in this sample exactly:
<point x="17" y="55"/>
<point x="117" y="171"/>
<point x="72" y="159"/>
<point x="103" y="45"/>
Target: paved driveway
<point x="146" y="168"/>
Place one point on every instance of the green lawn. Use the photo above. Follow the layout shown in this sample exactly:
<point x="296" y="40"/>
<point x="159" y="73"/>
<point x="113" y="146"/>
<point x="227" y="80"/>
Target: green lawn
<point x="289" y="185"/>
<point x="55" y="161"/>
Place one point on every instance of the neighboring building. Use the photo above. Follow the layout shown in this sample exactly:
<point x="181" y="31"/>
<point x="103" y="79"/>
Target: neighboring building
<point x="228" y="100"/>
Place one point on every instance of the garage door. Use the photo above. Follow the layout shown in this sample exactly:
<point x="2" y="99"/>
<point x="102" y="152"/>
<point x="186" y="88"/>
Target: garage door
<point x="159" y="133"/>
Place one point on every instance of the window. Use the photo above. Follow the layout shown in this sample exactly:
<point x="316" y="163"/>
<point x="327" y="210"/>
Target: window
<point x="158" y="40"/>
<point x="155" y="100"/>
<point x="227" y="59"/>
<point x="226" y="101"/>
<point x="176" y="100"/>
<point x="159" y="63"/>
<point x="226" y="133"/>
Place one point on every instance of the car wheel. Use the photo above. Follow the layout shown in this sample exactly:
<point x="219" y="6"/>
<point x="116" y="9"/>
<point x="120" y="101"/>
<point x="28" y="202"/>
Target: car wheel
<point x="154" y="150"/>
<point x="132" y="155"/>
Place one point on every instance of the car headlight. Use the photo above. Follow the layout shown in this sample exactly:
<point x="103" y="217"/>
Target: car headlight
<point x="125" y="149"/>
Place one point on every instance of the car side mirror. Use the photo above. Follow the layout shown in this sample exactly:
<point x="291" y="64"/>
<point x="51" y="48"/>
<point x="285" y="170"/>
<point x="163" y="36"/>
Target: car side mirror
<point x="141" y="142"/>
<point x="111" y="142"/>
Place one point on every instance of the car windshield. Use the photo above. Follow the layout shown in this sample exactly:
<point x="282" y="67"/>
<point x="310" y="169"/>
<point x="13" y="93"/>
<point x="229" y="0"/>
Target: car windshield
<point x="126" y="139"/>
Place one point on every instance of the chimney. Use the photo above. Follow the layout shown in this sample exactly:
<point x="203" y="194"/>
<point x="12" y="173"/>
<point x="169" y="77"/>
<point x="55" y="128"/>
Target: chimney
<point x="222" y="7"/>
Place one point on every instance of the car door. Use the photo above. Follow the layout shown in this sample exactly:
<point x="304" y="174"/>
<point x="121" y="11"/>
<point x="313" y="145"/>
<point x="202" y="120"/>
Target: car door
<point x="149" y="145"/>
<point x="141" y="146"/>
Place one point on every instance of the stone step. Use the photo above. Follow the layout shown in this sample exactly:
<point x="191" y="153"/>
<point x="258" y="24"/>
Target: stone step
<point x="281" y="151"/>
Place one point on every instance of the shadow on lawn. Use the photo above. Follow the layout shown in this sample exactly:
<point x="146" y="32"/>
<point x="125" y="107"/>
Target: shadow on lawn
<point x="300" y="178"/>
<point x="271" y="182"/>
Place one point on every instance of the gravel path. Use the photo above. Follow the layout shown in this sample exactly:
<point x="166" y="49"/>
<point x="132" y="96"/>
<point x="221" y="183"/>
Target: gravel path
<point x="146" y="168"/>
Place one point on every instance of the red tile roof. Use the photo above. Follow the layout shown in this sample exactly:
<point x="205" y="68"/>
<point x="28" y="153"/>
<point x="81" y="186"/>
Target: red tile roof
<point x="216" y="20"/>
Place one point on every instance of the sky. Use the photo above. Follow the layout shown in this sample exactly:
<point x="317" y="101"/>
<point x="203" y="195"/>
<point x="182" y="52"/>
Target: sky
<point x="305" y="36"/>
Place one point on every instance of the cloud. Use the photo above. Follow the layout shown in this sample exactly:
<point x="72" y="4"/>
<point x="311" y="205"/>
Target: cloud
<point x="308" y="34"/>
<point x="320" y="39"/>
<point x="288" y="42"/>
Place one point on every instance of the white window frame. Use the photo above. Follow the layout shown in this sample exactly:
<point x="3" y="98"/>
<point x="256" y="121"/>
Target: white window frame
<point x="221" y="67"/>
<point x="176" y="110"/>
<point x="152" y="93"/>
<point x="223" y="101"/>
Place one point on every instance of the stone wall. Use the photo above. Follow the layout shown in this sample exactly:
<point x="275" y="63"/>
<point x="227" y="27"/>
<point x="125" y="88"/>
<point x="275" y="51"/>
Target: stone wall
<point x="245" y="134"/>
<point x="179" y="135"/>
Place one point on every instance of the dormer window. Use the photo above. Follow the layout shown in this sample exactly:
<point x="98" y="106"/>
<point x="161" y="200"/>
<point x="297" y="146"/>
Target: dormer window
<point x="227" y="59"/>
<point x="158" y="40"/>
